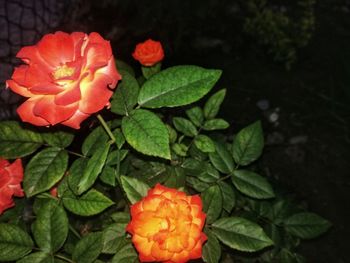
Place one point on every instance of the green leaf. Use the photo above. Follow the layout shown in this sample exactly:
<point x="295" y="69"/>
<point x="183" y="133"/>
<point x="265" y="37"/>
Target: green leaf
<point x="212" y="106"/>
<point x="252" y="184"/>
<point x="125" y="96"/>
<point x="177" y="86"/>
<point x="195" y="114"/>
<point x="50" y="229"/>
<point x="185" y="126"/>
<point x="123" y="67"/>
<point x="93" y="140"/>
<point x="113" y="238"/>
<point x="119" y="138"/>
<point x="306" y="225"/>
<point x="146" y="133"/>
<point x="91" y="203"/>
<point x="134" y="188"/>
<point x="16" y="141"/>
<point x="172" y="134"/>
<point x="211" y="248"/>
<point x="222" y="159"/>
<point x="126" y="254"/>
<point x="93" y="168"/>
<point x="88" y="248"/>
<point x="196" y="153"/>
<point x="115" y="157"/>
<point x="200" y="169"/>
<point x="204" y="143"/>
<point x="215" y="124"/>
<point x="177" y="177"/>
<point x="180" y="149"/>
<point x="228" y="196"/>
<point x="44" y="170"/>
<point x="38" y="257"/>
<point x="241" y="234"/>
<point x="108" y="175"/>
<point x="248" y="144"/>
<point x="212" y="203"/>
<point x="208" y="174"/>
<point x="197" y="184"/>
<point x="148" y="72"/>
<point x="75" y="173"/>
<point x="14" y="242"/>
<point x="121" y="217"/>
<point x="58" y="138"/>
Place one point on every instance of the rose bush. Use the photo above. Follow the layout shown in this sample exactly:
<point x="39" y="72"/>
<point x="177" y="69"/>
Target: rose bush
<point x="144" y="185"/>
<point x="149" y="52"/>
<point x="11" y="176"/>
<point x="66" y="78"/>
<point x="167" y="226"/>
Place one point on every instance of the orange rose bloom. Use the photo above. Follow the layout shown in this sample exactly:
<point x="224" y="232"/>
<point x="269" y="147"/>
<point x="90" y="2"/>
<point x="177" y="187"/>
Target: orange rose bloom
<point x="167" y="226"/>
<point x="11" y="176"/>
<point x="149" y="52"/>
<point x="67" y="77"/>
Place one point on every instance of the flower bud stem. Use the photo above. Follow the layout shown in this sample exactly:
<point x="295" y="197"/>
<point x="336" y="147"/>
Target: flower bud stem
<point x="107" y="129"/>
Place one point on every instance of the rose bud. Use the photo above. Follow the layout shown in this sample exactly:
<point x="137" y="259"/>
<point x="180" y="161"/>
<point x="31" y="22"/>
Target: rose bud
<point x="149" y="52"/>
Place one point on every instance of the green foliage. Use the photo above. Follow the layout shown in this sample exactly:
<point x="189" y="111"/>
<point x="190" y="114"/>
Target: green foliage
<point x="93" y="168"/>
<point x="125" y="97"/>
<point x="50" y="229"/>
<point x="122" y="159"/>
<point x="306" y="225"/>
<point x="211" y="249"/>
<point x="44" y="170"/>
<point x="212" y="203"/>
<point x="252" y="184"/>
<point x="88" y="248"/>
<point x="16" y="141"/>
<point x="177" y="86"/>
<point x="91" y="203"/>
<point x="277" y="28"/>
<point x="134" y="188"/>
<point x="241" y="234"/>
<point x="248" y="144"/>
<point x="14" y="242"/>
<point x="145" y="132"/>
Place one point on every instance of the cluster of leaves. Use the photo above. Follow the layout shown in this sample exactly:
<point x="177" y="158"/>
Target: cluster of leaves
<point x="280" y="29"/>
<point x="121" y="159"/>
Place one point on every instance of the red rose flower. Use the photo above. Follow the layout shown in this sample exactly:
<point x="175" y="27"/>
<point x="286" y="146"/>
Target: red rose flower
<point x="67" y="77"/>
<point x="11" y="176"/>
<point x="149" y="52"/>
<point x="167" y="226"/>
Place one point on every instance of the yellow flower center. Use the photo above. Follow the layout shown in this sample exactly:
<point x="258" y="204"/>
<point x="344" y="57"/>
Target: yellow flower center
<point x="63" y="71"/>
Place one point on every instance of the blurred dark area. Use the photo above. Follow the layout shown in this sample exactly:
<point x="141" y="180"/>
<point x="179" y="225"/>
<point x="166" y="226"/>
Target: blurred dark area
<point x="284" y="62"/>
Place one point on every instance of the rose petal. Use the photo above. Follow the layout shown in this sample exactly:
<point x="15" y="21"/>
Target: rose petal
<point x="16" y="171"/>
<point x="56" y="49"/>
<point x="53" y="113"/>
<point x="111" y="72"/>
<point x="160" y="254"/>
<point x="146" y="224"/>
<point x="76" y="119"/>
<point x="25" y="111"/>
<point x="78" y="39"/>
<point x="70" y="95"/>
<point x="95" y="94"/>
<point x="31" y="55"/>
<point x="144" y="245"/>
<point x="23" y="91"/>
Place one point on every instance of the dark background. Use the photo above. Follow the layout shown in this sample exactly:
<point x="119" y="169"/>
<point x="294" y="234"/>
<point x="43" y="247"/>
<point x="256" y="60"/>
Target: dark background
<point x="304" y="105"/>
